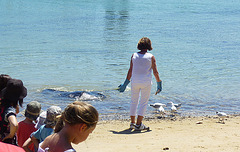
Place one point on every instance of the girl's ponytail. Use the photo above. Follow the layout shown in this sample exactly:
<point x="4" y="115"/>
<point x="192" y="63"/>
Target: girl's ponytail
<point x="59" y="125"/>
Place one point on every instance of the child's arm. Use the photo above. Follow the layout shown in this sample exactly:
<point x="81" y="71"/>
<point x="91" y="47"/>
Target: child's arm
<point x="13" y="126"/>
<point x="35" y="141"/>
<point x="26" y="144"/>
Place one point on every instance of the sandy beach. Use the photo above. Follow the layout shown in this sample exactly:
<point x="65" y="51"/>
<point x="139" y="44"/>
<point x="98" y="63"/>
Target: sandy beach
<point x="189" y="134"/>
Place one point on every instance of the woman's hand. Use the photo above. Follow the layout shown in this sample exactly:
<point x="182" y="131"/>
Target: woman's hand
<point x="159" y="87"/>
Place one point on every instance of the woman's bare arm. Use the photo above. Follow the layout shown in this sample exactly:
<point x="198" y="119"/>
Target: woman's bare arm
<point x="155" y="71"/>
<point x="129" y="75"/>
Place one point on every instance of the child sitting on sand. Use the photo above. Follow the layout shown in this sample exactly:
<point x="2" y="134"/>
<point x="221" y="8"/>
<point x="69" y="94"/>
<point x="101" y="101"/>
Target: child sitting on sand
<point x="27" y="127"/>
<point x="77" y="121"/>
<point x="45" y="130"/>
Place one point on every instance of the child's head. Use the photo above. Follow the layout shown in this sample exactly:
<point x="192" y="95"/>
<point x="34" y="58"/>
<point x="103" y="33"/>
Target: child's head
<point x="52" y="114"/>
<point x="13" y="93"/>
<point x="79" y="113"/>
<point x="144" y="43"/>
<point x="33" y="110"/>
<point x="41" y="119"/>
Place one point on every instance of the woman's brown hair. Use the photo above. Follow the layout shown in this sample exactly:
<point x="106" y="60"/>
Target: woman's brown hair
<point x="144" y="43"/>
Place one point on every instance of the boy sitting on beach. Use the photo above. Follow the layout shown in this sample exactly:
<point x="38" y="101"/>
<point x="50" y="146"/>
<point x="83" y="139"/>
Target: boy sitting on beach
<point x="45" y="130"/>
<point x="27" y="127"/>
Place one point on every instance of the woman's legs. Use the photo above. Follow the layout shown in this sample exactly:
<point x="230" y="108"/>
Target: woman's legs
<point x="132" y="119"/>
<point x="136" y="89"/>
<point x="139" y="120"/>
<point x="145" y="95"/>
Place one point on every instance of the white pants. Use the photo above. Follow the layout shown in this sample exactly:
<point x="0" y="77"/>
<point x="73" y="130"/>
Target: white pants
<point x="137" y="90"/>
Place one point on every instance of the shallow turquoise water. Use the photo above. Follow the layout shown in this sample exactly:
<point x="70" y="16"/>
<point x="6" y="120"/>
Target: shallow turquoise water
<point x="86" y="46"/>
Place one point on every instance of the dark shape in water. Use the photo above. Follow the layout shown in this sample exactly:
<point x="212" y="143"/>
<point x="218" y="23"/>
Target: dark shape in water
<point x="79" y="95"/>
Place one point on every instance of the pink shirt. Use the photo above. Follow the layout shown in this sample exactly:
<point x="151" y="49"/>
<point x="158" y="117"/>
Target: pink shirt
<point x="10" y="148"/>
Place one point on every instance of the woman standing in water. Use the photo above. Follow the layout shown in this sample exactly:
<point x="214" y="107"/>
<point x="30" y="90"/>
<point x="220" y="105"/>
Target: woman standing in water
<point x="140" y="72"/>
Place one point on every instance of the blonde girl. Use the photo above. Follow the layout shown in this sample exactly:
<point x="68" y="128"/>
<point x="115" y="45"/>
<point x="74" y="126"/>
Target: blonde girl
<point x="78" y="120"/>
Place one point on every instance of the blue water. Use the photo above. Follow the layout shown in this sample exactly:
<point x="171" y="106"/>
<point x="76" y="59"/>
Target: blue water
<point x="82" y="45"/>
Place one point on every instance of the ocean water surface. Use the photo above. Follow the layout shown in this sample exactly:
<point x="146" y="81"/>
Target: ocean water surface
<point x="80" y="50"/>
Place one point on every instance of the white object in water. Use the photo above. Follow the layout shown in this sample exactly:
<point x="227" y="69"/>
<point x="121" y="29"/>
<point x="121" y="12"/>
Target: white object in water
<point x="178" y="105"/>
<point x="173" y="109"/>
<point x="222" y="116"/>
<point x="85" y="96"/>
<point x="157" y="105"/>
<point x="161" y="110"/>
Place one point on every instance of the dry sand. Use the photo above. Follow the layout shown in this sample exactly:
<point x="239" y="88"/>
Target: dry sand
<point x="197" y="134"/>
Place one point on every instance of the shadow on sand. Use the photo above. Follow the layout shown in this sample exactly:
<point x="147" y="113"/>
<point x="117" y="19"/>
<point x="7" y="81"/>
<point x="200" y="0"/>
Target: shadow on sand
<point x="130" y="131"/>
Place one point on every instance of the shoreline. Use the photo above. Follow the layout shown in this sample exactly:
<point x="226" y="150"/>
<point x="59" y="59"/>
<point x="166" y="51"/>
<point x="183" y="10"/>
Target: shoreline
<point x="178" y="134"/>
<point x="156" y="115"/>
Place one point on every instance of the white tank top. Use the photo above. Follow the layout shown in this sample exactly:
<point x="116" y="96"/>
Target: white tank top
<point x="142" y="68"/>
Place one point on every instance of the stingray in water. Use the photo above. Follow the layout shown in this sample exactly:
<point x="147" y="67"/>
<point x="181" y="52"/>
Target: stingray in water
<point x="77" y="95"/>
